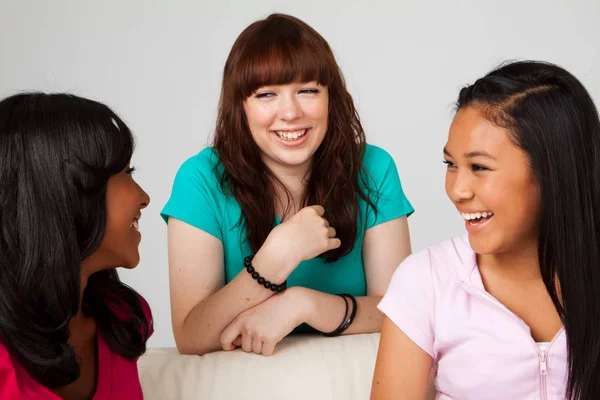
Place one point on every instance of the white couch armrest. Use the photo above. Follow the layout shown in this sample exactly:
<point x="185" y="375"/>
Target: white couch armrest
<point x="302" y="367"/>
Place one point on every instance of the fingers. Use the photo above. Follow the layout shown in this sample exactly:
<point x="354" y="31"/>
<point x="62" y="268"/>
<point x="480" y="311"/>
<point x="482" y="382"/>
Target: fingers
<point x="229" y="335"/>
<point x="268" y="348"/>
<point x="319" y="209"/>
<point x="257" y="345"/>
<point x="334" y="243"/>
<point x="247" y="343"/>
<point x="237" y="342"/>
<point x="331" y="232"/>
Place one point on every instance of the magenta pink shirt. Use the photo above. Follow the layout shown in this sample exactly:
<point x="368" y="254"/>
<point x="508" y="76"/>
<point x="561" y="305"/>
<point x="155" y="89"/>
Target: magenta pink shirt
<point x="117" y="377"/>
<point x="480" y="349"/>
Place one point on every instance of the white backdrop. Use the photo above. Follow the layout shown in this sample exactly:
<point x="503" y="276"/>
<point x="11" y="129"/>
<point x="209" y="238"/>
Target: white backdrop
<point x="158" y="64"/>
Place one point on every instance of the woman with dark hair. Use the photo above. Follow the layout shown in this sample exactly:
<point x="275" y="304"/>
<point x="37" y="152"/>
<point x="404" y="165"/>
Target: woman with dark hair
<point x="289" y="195"/>
<point x="509" y="310"/>
<point x="69" y="212"/>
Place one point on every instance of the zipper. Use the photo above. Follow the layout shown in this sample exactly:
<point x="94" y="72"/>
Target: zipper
<point x="542" y="354"/>
<point x="543" y="372"/>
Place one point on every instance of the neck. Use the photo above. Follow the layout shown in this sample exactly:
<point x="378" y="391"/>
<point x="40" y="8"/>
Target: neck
<point x="293" y="179"/>
<point x="520" y="264"/>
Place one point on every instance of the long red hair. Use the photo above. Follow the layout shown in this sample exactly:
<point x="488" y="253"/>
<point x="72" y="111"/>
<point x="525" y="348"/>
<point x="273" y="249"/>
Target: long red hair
<point x="279" y="50"/>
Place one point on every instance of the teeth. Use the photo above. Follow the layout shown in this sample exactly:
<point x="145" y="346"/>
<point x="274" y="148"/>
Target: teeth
<point x="135" y="225"/>
<point x="472" y="216"/>
<point x="293" y="135"/>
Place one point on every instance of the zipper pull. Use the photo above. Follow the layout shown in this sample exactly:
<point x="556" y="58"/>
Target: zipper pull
<point x="543" y="366"/>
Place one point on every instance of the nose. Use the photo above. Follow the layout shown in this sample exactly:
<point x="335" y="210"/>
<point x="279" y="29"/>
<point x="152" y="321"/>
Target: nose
<point x="145" y="199"/>
<point x="458" y="186"/>
<point x="289" y="108"/>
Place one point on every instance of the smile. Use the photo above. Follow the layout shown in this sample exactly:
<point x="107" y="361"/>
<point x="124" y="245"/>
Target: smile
<point x="477" y="218"/>
<point x="291" y="135"/>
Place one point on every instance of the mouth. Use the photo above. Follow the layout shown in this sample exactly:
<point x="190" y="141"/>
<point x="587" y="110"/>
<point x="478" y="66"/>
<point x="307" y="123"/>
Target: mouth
<point x="291" y="136"/>
<point x="135" y="225"/>
<point x="477" y="218"/>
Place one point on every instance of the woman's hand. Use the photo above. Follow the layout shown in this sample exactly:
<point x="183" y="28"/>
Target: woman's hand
<point x="262" y="327"/>
<point x="304" y="236"/>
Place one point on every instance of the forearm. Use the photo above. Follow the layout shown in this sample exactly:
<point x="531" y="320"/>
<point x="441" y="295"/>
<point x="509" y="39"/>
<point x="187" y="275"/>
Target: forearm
<point x="202" y="328"/>
<point x="325" y="312"/>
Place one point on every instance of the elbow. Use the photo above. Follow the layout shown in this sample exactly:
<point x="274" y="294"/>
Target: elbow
<point x="188" y="348"/>
<point x="190" y="351"/>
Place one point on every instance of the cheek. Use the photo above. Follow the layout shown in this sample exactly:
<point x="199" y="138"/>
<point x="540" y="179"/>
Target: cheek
<point x="114" y="226"/>
<point x="319" y="113"/>
<point x="531" y="204"/>
<point x="516" y="200"/>
<point x="498" y="195"/>
<point x="259" y="118"/>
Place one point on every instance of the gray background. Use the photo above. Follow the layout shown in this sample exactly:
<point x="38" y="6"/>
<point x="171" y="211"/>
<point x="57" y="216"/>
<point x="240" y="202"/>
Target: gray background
<point x="159" y="64"/>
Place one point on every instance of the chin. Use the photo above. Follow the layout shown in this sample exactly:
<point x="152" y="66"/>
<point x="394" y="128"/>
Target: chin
<point x="482" y="246"/>
<point x="132" y="262"/>
<point x="299" y="158"/>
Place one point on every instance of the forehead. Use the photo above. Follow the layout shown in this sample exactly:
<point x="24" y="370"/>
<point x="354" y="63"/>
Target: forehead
<point x="471" y="131"/>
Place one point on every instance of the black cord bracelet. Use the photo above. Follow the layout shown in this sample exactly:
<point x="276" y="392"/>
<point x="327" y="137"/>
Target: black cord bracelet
<point x="262" y="281"/>
<point x="347" y="321"/>
<point x="334" y="332"/>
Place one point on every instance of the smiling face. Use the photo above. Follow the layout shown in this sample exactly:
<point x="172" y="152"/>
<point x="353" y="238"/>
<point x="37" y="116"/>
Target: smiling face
<point x="288" y="122"/>
<point x="125" y="200"/>
<point x="490" y="183"/>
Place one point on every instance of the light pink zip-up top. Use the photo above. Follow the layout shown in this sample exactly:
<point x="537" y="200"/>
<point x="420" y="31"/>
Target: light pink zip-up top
<point x="481" y="350"/>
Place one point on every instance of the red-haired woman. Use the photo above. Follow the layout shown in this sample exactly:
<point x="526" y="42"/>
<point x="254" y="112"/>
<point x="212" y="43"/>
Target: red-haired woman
<point x="289" y="221"/>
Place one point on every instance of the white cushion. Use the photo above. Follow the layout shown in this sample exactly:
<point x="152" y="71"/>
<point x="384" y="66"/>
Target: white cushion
<point x="303" y="367"/>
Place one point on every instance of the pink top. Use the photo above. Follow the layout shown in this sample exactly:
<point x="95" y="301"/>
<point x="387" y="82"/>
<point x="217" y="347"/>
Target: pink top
<point x="481" y="350"/>
<point x="117" y="377"/>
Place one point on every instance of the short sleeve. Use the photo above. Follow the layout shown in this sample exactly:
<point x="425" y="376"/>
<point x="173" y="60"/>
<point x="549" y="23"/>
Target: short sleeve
<point x="409" y="300"/>
<point x="383" y="187"/>
<point x="195" y="194"/>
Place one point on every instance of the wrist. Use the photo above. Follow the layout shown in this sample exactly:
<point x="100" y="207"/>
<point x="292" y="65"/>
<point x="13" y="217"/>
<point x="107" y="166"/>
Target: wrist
<point x="303" y="300"/>
<point x="271" y="263"/>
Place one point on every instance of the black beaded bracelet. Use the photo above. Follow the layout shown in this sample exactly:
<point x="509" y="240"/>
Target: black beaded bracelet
<point x="347" y="321"/>
<point x="262" y="281"/>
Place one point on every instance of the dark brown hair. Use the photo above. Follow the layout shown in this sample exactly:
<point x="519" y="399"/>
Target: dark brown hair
<point x="279" y="50"/>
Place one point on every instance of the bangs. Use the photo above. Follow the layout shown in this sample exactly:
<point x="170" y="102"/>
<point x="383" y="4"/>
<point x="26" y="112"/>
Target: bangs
<point x="108" y="136"/>
<point x="120" y="144"/>
<point x="274" y="57"/>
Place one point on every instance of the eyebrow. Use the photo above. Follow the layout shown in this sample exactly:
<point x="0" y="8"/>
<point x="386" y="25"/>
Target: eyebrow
<point x="473" y="154"/>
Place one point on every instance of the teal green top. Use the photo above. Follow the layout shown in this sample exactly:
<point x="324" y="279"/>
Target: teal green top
<point x="197" y="199"/>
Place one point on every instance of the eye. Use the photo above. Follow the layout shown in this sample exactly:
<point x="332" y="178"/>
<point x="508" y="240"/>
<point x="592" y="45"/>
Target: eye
<point x="130" y="170"/>
<point x="449" y="164"/>
<point x="264" y="95"/>
<point x="309" y="91"/>
<point x="478" y="168"/>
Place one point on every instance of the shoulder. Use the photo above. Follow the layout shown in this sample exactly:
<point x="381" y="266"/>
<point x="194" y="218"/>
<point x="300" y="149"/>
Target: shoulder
<point x="6" y="363"/>
<point x="450" y="260"/>
<point x="11" y="378"/>
<point x="199" y="174"/>
<point x="205" y="163"/>
<point x="375" y="159"/>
